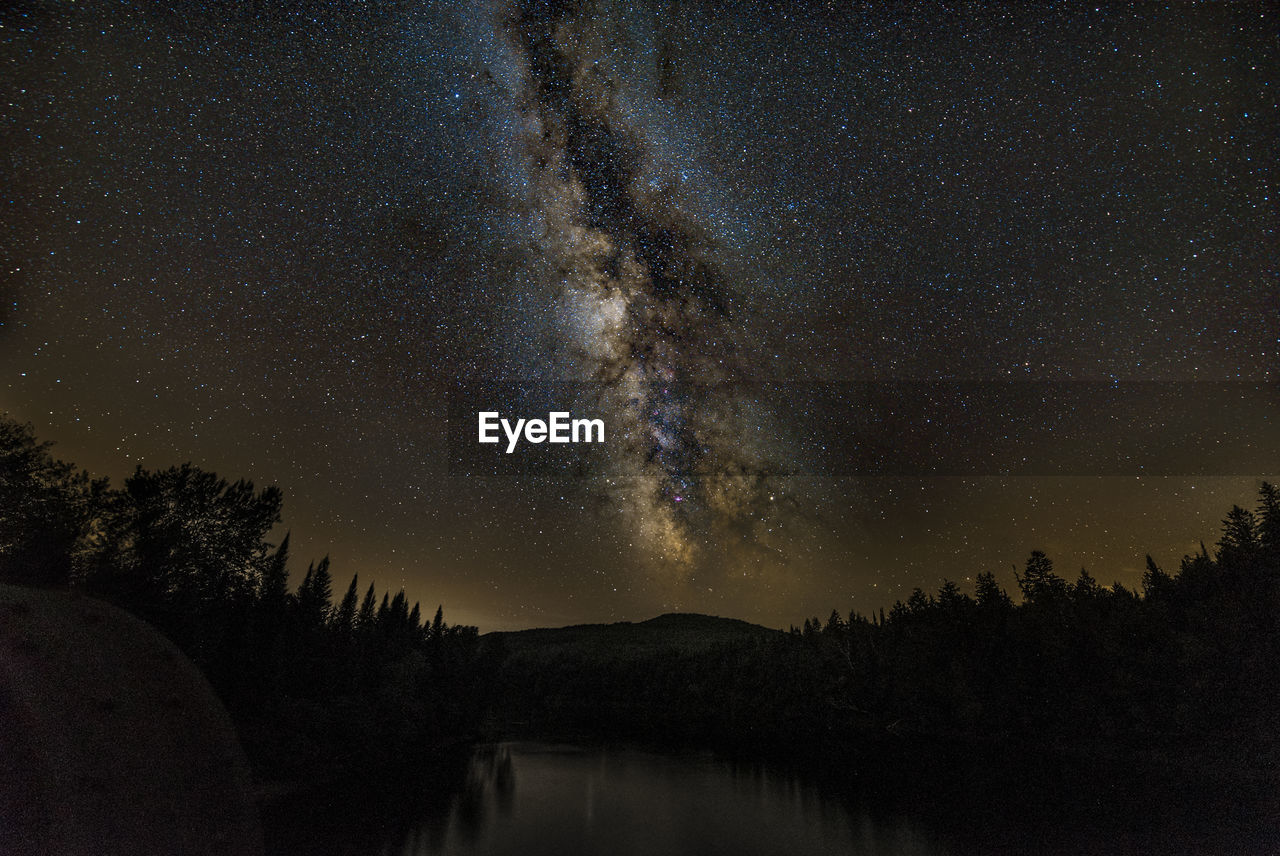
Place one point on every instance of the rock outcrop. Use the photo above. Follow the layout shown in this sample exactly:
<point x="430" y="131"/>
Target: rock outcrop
<point x="111" y="741"/>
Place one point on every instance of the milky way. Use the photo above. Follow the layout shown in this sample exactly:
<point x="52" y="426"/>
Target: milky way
<point x="646" y="313"/>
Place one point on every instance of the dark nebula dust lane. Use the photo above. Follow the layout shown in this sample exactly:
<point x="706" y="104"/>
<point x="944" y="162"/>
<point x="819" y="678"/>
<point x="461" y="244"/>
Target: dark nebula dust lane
<point x="649" y="317"/>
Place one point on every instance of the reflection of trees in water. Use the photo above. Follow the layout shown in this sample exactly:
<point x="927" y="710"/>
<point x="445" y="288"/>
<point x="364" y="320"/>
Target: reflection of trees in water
<point x="490" y="784"/>
<point x="927" y="802"/>
<point x="405" y="814"/>
<point x="454" y="796"/>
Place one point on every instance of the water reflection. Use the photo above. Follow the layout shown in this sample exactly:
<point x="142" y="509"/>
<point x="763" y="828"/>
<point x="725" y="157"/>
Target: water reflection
<point x="532" y="798"/>
<point x="537" y="798"/>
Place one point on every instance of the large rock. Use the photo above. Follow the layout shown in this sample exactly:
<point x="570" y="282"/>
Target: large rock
<point x="111" y="741"/>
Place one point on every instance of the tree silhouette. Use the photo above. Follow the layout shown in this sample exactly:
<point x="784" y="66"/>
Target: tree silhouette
<point x="1269" y="521"/>
<point x="188" y="551"/>
<point x="344" y="617"/>
<point x="1240" y="541"/>
<point x="190" y="536"/>
<point x="1191" y="663"/>
<point x="274" y="591"/>
<point x="368" y="616"/>
<point x="314" y="595"/>
<point x="1038" y="582"/>
<point x="989" y="594"/>
<point x="48" y="511"/>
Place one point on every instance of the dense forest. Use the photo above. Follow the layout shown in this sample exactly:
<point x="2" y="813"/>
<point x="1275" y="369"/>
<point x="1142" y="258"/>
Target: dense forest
<point x="317" y="689"/>
<point x="1191" y="661"/>
<point x="320" y="685"/>
<point x="1187" y="668"/>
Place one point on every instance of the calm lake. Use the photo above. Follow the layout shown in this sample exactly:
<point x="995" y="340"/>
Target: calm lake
<point x="545" y="799"/>
<point x="531" y="798"/>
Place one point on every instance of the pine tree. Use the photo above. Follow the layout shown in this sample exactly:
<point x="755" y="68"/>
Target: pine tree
<point x="273" y="594"/>
<point x="273" y="603"/>
<point x="1038" y="581"/>
<point x="1239" y="543"/>
<point x="1086" y="586"/>
<point x="304" y="588"/>
<point x="1269" y="520"/>
<point x="1154" y="581"/>
<point x="323" y="582"/>
<point x="950" y="597"/>
<point x="989" y="593"/>
<point x="919" y="602"/>
<point x="344" y="617"/>
<point x="384" y="612"/>
<point x="368" y="611"/>
<point x="437" y="624"/>
<point x="314" y="595"/>
<point x="399" y="610"/>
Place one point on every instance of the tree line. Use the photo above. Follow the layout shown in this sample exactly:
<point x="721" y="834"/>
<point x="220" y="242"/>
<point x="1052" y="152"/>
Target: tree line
<point x="1193" y="658"/>
<point x="316" y="688"/>
<point x="1190" y="661"/>
<point x="1186" y="665"/>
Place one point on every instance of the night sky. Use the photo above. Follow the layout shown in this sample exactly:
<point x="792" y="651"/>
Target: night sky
<point x="302" y="243"/>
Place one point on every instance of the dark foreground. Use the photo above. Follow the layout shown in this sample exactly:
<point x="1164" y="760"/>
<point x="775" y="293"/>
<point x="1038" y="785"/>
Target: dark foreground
<point x="533" y="797"/>
<point x="1071" y="716"/>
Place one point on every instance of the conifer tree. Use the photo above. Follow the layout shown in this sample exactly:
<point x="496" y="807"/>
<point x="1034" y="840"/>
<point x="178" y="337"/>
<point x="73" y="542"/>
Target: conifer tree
<point x="1269" y="520"/>
<point x="1239" y="542"/>
<point x="314" y="595"/>
<point x="273" y="594"/>
<point x="368" y="611"/>
<point x="1154" y="580"/>
<point x="1038" y="581"/>
<point x="1086" y="586"/>
<point x="988" y="592"/>
<point x="950" y="597"/>
<point x="344" y="617"/>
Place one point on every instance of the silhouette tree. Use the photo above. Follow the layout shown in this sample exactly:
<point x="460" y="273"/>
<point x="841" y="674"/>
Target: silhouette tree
<point x="951" y="599"/>
<point x="368" y="616"/>
<point x="344" y="617"/>
<point x="273" y="595"/>
<point x="1086" y="587"/>
<point x="48" y="511"/>
<point x="835" y="623"/>
<point x="187" y="550"/>
<point x="314" y="596"/>
<point x="1155" y="582"/>
<point x="189" y="536"/>
<point x="1240" y="541"/>
<point x="1269" y="521"/>
<point x="989" y="593"/>
<point x="1038" y="581"/>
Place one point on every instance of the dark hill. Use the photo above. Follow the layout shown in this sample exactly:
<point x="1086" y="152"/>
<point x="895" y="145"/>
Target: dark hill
<point x="675" y="632"/>
<point x="678" y="679"/>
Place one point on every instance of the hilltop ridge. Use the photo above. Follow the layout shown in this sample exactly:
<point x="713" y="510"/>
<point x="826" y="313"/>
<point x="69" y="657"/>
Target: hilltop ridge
<point x="682" y="631"/>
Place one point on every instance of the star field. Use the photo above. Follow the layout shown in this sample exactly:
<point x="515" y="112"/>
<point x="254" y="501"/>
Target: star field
<point x="272" y="240"/>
